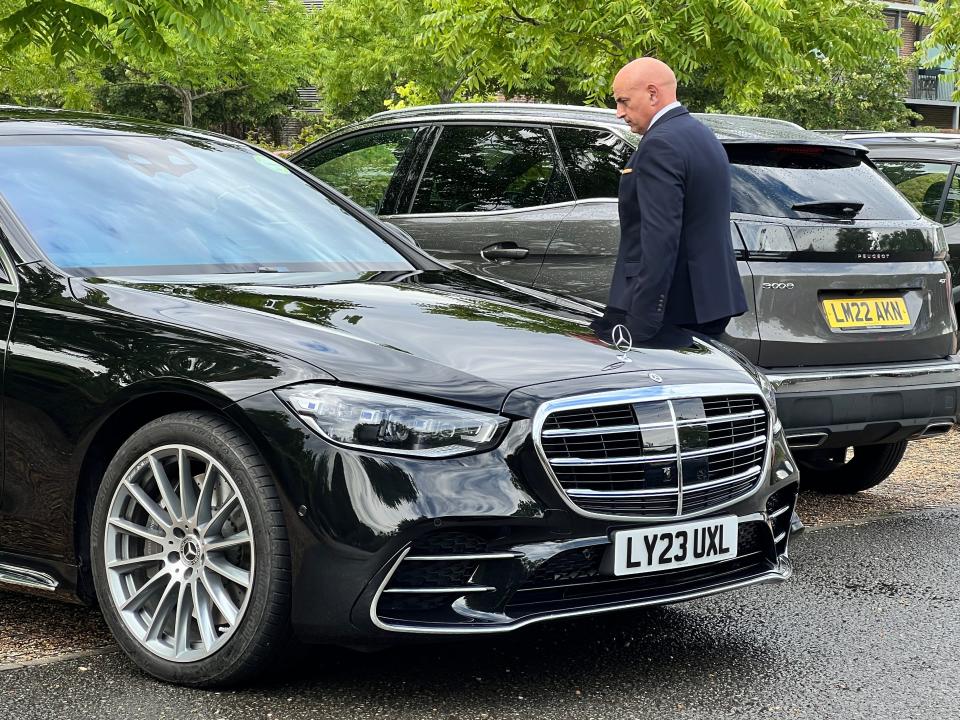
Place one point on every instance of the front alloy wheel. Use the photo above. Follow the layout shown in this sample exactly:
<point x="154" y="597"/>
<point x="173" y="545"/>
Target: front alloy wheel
<point x="179" y="554"/>
<point x="190" y="580"/>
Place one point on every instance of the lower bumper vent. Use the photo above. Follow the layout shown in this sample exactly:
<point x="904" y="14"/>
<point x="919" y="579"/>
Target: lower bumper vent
<point x="492" y="588"/>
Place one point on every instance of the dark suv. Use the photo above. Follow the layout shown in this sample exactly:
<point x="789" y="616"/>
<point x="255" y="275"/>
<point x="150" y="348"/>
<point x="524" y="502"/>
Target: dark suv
<point x="850" y="312"/>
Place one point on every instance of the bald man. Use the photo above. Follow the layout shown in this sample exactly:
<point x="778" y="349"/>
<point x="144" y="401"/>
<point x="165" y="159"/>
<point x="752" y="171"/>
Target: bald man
<point x="675" y="266"/>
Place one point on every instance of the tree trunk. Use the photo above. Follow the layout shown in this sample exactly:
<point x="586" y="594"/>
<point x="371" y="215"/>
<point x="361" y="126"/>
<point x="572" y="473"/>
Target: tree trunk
<point x="187" y="99"/>
<point x="186" y="102"/>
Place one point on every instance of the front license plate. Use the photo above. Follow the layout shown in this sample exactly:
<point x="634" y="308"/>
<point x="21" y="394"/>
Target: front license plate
<point x="674" y="546"/>
<point x="866" y="313"/>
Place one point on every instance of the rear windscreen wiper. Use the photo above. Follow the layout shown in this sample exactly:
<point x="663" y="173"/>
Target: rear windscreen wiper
<point x="833" y="208"/>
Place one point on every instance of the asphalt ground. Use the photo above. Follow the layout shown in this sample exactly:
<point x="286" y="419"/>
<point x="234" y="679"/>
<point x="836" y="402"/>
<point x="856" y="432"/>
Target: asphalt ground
<point x="868" y="627"/>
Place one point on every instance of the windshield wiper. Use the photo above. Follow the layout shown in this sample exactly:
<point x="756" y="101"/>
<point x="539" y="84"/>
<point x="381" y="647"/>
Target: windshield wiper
<point x="832" y="208"/>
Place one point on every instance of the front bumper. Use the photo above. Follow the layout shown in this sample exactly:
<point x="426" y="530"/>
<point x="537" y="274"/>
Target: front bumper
<point x="868" y="404"/>
<point x="384" y="546"/>
<point x="505" y="589"/>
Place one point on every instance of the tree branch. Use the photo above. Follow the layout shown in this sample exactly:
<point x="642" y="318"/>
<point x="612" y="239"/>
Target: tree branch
<point x="221" y="91"/>
<point x="517" y="17"/>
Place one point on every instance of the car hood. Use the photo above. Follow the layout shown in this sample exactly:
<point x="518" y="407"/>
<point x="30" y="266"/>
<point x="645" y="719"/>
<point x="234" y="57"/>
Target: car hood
<point x="441" y="334"/>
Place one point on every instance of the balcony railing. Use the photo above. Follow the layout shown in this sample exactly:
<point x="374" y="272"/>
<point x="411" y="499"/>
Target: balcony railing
<point x="930" y="85"/>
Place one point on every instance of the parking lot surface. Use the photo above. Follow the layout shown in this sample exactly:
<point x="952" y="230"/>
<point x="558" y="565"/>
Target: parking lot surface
<point x="868" y="628"/>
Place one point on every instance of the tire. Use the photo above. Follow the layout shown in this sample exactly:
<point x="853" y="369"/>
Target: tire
<point x="827" y="471"/>
<point x="197" y="597"/>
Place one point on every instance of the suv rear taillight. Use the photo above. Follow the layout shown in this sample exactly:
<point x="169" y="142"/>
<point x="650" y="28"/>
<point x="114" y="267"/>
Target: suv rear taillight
<point x="941" y="251"/>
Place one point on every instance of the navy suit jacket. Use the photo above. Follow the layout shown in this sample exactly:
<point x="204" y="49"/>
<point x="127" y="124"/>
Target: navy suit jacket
<point x="675" y="264"/>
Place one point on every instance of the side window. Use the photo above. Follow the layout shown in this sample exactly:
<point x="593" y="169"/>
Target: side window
<point x="482" y="168"/>
<point x="921" y="183"/>
<point x="594" y="159"/>
<point x="362" y="166"/>
<point x="951" y="208"/>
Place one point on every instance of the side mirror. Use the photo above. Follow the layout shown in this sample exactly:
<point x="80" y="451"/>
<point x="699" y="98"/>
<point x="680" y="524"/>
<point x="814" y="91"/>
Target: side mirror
<point x="402" y="234"/>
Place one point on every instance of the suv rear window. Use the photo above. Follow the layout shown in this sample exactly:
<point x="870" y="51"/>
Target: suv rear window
<point x="771" y="179"/>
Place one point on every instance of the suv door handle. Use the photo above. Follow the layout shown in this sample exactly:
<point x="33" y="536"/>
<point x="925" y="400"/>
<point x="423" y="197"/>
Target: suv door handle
<point x="504" y="251"/>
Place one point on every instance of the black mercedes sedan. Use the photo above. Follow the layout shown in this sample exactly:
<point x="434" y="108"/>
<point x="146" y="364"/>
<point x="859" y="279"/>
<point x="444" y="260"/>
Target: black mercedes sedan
<point x="236" y="406"/>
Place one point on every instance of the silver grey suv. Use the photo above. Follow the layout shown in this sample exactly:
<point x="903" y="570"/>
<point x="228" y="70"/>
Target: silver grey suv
<point x="850" y="314"/>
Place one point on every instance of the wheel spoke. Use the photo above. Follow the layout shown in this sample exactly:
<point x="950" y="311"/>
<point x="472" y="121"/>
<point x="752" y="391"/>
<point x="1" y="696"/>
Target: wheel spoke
<point x="170" y="498"/>
<point x="159" y="515"/>
<point x="205" y="500"/>
<point x="224" y="567"/>
<point x="203" y="611"/>
<point x="188" y="489"/>
<point x="222" y="543"/>
<point x="181" y="627"/>
<point x="214" y="587"/>
<point x="131" y="564"/>
<point x="147" y="590"/>
<point x="168" y="601"/>
<point x="216" y="524"/>
<point x="132" y="528"/>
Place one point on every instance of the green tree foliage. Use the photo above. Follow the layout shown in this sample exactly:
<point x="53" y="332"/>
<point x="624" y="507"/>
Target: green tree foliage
<point x="262" y="58"/>
<point x="75" y="29"/>
<point x="737" y="47"/>
<point x="29" y="74"/>
<point x="369" y="54"/>
<point x="237" y="64"/>
<point x="866" y="96"/>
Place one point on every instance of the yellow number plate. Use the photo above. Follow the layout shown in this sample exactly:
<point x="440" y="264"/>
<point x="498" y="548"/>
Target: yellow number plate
<point x="866" y="313"/>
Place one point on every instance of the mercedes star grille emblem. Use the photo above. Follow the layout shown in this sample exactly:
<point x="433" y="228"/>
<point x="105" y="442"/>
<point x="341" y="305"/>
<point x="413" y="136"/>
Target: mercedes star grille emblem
<point x="622" y="341"/>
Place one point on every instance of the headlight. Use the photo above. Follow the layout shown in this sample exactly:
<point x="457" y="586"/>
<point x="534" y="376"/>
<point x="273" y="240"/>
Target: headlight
<point x="400" y="426"/>
<point x="771" y="396"/>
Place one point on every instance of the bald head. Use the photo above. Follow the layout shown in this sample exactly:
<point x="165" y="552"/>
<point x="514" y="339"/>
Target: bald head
<point x="642" y="88"/>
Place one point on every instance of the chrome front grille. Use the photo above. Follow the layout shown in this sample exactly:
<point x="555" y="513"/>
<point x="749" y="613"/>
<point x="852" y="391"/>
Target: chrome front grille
<point x="655" y="452"/>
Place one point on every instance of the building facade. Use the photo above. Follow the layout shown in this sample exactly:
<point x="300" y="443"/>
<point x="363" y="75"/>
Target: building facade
<point x="930" y="92"/>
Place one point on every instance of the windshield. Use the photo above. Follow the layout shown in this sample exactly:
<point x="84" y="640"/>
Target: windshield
<point x="134" y="205"/>
<point x="810" y="182"/>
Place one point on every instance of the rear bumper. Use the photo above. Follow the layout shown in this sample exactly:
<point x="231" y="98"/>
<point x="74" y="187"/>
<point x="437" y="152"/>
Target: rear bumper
<point x="867" y="404"/>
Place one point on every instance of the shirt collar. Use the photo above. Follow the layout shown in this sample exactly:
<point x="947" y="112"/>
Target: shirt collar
<point x="663" y="111"/>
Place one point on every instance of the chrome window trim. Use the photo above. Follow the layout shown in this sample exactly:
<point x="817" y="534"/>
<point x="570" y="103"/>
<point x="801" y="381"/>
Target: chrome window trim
<point x="648" y="394"/>
<point x="612" y="125"/>
<point x="482" y="213"/>
<point x="498" y="105"/>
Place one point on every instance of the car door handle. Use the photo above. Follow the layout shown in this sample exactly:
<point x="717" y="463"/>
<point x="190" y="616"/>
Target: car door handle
<point x="504" y="251"/>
